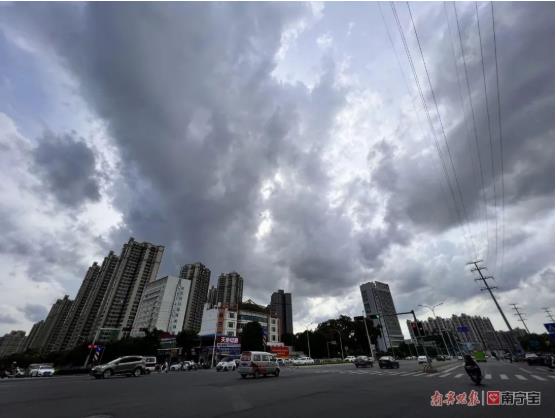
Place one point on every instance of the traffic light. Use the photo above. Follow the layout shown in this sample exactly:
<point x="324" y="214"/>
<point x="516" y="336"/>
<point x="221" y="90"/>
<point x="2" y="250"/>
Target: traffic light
<point x="420" y="327"/>
<point x="374" y="316"/>
<point x="414" y="328"/>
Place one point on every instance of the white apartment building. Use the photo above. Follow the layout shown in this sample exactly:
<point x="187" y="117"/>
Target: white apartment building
<point x="162" y="306"/>
<point x="219" y="320"/>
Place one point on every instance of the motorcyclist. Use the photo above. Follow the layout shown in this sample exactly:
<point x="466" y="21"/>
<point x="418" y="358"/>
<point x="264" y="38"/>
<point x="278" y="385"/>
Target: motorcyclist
<point x="472" y="369"/>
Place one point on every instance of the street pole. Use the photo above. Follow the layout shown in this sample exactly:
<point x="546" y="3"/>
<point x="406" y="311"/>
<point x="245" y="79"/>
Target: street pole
<point x="328" y="349"/>
<point x="213" y="350"/>
<point x="341" y="344"/>
<point x="519" y="314"/>
<point x="308" y="343"/>
<point x="368" y="336"/>
<point x="419" y="332"/>
<point x="548" y="314"/>
<point x="432" y="308"/>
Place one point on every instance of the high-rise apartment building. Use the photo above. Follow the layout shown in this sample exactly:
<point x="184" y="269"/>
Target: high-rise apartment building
<point x="230" y="289"/>
<point x="12" y="343"/>
<point x="68" y="327"/>
<point x="138" y="265"/>
<point x="32" y="338"/>
<point x="48" y="335"/>
<point x="162" y="306"/>
<point x="84" y="327"/>
<point x="377" y="300"/>
<point x="281" y="307"/>
<point x="199" y="276"/>
<point x="212" y="296"/>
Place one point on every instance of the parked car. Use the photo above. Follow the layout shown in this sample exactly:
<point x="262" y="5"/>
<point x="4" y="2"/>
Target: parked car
<point x="350" y="359"/>
<point x="411" y="358"/>
<point x="176" y="367"/>
<point x="422" y="360"/>
<point x="363" y="361"/>
<point x="128" y="365"/>
<point x="43" y="370"/>
<point x="440" y="358"/>
<point x="388" y="362"/>
<point x="150" y="364"/>
<point x="258" y="363"/>
<point x="225" y="365"/>
<point x="460" y="357"/>
<point x="302" y="361"/>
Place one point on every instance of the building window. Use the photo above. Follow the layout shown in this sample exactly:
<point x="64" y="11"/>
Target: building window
<point x="230" y="333"/>
<point x="230" y="324"/>
<point x="232" y="315"/>
<point x="274" y="338"/>
<point x="273" y="329"/>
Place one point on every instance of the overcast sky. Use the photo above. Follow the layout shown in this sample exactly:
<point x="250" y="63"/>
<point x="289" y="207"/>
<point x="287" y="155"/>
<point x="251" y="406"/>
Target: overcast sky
<point x="284" y="141"/>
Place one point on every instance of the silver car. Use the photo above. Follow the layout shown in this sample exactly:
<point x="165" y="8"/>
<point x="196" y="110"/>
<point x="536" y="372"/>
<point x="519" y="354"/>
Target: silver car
<point x="128" y="365"/>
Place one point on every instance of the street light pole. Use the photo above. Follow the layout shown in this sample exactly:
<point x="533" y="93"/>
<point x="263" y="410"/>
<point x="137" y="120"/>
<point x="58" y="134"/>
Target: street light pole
<point x="432" y="308"/>
<point x="341" y="344"/>
<point x="308" y="343"/>
<point x="368" y="336"/>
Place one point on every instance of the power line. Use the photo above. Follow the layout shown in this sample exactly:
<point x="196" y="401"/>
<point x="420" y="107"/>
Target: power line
<point x="427" y="113"/>
<point x="490" y="140"/>
<point x="438" y="115"/>
<point x="520" y="315"/>
<point x="474" y="127"/>
<point x="548" y="314"/>
<point x="462" y="100"/>
<point x="500" y="135"/>
<point x="472" y="249"/>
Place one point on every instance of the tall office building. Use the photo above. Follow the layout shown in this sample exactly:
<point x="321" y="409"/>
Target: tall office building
<point x="199" y="276"/>
<point x="138" y="265"/>
<point x="53" y="323"/>
<point x="281" y="307"/>
<point x="230" y="289"/>
<point x="212" y="297"/>
<point x="68" y="327"/>
<point x="162" y="306"/>
<point x="84" y="327"/>
<point x="12" y="343"/>
<point x="377" y="300"/>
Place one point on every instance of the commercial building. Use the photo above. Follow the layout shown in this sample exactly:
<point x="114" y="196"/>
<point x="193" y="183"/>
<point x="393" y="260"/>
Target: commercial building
<point x="68" y="327"/>
<point x="12" y="343"/>
<point x="138" y="265"/>
<point x="230" y="289"/>
<point x="377" y="300"/>
<point x="162" y="306"/>
<point x="199" y="278"/>
<point x="281" y="307"/>
<point x="249" y="311"/>
<point x="220" y="320"/>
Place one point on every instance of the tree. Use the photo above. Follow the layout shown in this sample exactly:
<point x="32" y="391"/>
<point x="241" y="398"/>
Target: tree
<point x="187" y="340"/>
<point x="252" y="337"/>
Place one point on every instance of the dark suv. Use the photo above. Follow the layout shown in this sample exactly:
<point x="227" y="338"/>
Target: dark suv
<point x="128" y="365"/>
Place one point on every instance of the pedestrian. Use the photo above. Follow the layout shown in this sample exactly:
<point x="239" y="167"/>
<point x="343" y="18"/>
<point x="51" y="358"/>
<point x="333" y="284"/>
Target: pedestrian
<point x="166" y="367"/>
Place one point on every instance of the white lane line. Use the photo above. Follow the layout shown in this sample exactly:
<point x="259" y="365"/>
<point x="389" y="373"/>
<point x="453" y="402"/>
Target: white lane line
<point x="520" y="377"/>
<point x="445" y="375"/>
<point x="503" y="377"/>
<point x="551" y="376"/>
<point x="538" y="377"/>
<point x="431" y="375"/>
<point x="420" y="374"/>
<point x="488" y="376"/>
<point x="457" y="376"/>
<point x="526" y="371"/>
<point x="450" y="369"/>
<point x="410" y="374"/>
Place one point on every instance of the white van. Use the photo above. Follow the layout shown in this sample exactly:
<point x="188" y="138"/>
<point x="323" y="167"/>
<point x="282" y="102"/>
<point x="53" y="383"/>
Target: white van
<point x="258" y="363"/>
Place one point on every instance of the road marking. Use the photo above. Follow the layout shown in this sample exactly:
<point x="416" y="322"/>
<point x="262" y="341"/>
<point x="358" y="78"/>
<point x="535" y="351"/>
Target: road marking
<point x="503" y="377"/>
<point x="488" y="376"/>
<point x="431" y="375"/>
<point x="457" y="376"/>
<point x="450" y="369"/>
<point x="526" y="371"/>
<point x="410" y="373"/>
<point x="551" y="376"/>
<point x="538" y="377"/>
<point x="420" y="374"/>
<point x="520" y="377"/>
<point x="445" y="375"/>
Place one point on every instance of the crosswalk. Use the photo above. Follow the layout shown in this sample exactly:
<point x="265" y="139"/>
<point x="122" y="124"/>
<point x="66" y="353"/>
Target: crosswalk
<point x="454" y="373"/>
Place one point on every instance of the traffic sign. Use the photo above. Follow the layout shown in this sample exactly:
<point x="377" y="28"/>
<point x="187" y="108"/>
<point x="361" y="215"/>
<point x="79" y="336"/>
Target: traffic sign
<point x="550" y="328"/>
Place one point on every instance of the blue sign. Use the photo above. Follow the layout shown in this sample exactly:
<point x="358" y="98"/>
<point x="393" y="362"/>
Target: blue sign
<point x="463" y="328"/>
<point x="550" y="328"/>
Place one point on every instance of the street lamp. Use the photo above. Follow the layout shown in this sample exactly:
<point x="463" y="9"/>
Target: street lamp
<point x="308" y="343"/>
<point x="432" y="308"/>
<point x="341" y="344"/>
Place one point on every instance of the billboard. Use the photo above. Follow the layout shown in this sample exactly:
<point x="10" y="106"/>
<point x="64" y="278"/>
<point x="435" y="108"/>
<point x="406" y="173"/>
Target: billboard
<point x="228" y="340"/>
<point x="280" y="351"/>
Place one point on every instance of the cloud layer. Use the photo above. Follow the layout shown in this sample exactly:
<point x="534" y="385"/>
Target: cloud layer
<point x="277" y="140"/>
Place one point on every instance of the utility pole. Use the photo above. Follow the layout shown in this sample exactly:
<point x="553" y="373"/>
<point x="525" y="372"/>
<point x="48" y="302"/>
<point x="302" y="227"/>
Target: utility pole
<point x="548" y="314"/>
<point x="519" y="314"/>
<point x="489" y="288"/>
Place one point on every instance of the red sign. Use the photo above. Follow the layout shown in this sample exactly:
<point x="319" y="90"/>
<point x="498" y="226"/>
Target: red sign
<point x="281" y="352"/>
<point x="493" y="397"/>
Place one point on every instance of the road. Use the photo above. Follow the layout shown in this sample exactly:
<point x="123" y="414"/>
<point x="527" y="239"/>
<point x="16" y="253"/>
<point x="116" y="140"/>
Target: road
<point x="316" y="391"/>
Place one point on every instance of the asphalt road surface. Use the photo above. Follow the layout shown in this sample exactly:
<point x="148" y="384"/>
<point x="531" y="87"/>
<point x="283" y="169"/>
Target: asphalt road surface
<point x="316" y="391"/>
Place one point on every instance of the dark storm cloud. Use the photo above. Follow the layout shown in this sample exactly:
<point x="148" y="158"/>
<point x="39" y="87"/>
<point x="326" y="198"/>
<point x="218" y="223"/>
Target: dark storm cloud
<point x="34" y="312"/>
<point x="67" y="168"/>
<point x="200" y="124"/>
